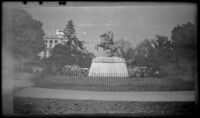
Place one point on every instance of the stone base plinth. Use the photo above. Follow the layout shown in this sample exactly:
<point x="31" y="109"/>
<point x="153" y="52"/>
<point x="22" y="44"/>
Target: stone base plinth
<point x="108" y="67"/>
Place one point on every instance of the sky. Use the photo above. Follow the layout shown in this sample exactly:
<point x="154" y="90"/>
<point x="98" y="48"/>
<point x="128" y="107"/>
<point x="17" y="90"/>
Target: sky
<point x="133" y="22"/>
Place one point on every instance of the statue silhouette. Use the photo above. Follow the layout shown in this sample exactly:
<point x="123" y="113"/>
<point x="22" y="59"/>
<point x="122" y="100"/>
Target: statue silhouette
<point x="107" y="43"/>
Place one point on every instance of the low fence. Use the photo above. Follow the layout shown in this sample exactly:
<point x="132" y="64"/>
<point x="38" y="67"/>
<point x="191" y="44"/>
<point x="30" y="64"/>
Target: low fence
<point x="23" y="68"/>
<point x="106" y="83"/>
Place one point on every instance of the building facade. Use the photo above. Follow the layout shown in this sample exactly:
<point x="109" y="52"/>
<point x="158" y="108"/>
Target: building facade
<point x="50" y="42"/>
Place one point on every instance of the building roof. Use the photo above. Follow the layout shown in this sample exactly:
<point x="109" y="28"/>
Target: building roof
<point x="54" y="37"/>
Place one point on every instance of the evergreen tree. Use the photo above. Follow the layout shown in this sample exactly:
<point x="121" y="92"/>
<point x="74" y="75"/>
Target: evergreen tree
<point x="71" y="53"/>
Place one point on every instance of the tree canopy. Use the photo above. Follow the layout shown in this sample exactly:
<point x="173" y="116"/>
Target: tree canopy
<point x="23" y="34"/>
<point x="70" y="33"/>
<point x="172" y="57"/>
<point x="71" y="53"/>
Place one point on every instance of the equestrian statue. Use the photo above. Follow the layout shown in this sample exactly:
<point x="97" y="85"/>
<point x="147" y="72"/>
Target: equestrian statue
<point x="107" y="43"/>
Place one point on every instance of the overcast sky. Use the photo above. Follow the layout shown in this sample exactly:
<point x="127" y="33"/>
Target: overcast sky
<point x="133" y="22"/>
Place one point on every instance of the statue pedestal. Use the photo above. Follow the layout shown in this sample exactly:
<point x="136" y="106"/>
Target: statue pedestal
<point x="108" y="67"/>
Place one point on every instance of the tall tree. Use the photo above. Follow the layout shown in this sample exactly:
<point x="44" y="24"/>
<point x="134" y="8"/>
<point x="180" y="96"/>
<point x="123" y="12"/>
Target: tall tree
<point x="162" y="50"/>
<point x="153" y="53"/>
<point x="130" y="57"/>
<point x="72" y="52"/>
<point x="143" y="53"/>
<point x="24" y="34"/>
<point x="184" y="40"/>
<point x="61" y="55"/>
<point x="70" y="33"/>
<point x="174" y="58"/>
<point x="184" y="43"/>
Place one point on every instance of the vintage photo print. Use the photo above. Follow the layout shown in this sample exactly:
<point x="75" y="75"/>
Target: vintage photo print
<point x="99" y="58"/>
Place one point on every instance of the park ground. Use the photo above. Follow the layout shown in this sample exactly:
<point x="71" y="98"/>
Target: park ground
<point x="31" y="99"/>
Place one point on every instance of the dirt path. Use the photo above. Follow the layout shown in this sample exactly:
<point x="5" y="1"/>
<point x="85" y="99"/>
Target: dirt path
<point x="109" y="96"/>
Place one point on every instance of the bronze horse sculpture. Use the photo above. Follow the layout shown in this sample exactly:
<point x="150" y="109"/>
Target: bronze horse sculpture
<point x="108" y="44"/>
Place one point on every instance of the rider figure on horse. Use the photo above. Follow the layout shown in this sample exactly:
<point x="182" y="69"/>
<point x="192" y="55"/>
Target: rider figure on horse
<point x="108" y="43"/>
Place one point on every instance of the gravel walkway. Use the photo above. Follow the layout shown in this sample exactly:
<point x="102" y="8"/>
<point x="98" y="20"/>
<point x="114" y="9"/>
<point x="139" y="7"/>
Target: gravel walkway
<point x="108" y="96"/>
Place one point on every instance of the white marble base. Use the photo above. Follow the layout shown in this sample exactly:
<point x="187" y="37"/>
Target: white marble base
<point x="108" y="67"/>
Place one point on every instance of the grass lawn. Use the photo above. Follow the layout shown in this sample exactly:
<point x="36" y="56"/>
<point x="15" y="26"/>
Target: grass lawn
<point x="24" y="105"/>
<point x="112" y="83"/>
